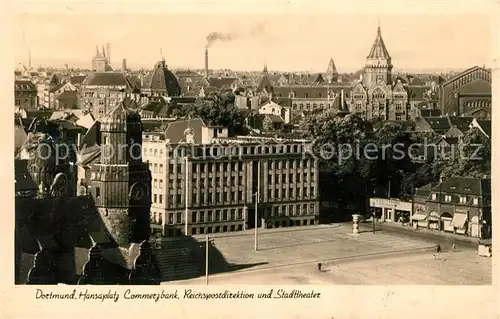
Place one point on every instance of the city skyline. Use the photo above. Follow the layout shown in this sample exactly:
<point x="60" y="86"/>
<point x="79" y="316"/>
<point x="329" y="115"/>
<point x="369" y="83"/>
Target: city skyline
<point x="288" y="43"/>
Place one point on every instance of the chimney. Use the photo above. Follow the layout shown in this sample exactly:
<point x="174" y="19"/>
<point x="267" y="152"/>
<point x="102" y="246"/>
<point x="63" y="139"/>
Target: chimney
<point x="124" y="64"/>
<point x="108" y="52"/>
<point x="78" y="141"/>
<point x="206" y="62"/>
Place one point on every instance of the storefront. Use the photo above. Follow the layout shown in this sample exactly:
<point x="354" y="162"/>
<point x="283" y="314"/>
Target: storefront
<point x="459" y="221"/>
<point x="446" y="219"/>
<point x="474" y="227"/>
<point x="391" y="209"/>
<point x="434" y="221"/>
<point x="419" y="217"/>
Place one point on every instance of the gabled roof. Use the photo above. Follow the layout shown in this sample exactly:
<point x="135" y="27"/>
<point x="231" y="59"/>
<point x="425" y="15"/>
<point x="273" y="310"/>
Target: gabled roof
<point x="467" y="71"/>
<point x="77" y="80"/>
<point x="461" y="122"/>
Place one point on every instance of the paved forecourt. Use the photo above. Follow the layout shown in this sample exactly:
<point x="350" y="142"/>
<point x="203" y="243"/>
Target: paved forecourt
<point x="313" y="244"/>
<point x="450" y="268"/>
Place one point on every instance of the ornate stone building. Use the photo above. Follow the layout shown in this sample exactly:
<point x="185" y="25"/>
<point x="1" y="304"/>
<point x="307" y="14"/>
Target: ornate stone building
<point x="376" y="96"/>
<point x="101" y="91"/>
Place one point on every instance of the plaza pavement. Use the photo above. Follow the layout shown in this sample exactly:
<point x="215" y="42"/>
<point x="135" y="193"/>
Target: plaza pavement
<point x="462" y="267"/>
<point x="310" y="245"/>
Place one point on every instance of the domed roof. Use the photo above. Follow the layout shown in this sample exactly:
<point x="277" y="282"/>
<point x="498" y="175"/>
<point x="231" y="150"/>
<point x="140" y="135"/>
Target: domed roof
<point x="162" y="80"/>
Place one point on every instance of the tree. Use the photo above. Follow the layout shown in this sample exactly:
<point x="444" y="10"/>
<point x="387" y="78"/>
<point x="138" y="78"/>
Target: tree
<point x="473" y="157"/>
<point x="216" y="109"/>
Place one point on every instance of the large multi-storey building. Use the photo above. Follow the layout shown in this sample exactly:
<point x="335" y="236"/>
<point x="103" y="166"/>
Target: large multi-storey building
<point x="225" y="178"/>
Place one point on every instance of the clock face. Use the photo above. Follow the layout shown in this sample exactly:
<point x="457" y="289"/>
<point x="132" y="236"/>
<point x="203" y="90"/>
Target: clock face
<point x="138" y="192"/>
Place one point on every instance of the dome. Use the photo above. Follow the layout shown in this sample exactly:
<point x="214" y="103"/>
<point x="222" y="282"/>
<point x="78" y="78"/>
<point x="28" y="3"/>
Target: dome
<point x="162" y="80"/>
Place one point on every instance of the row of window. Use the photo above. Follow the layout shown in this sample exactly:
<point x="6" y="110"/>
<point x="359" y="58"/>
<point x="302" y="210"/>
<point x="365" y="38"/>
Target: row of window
<point x="461" y="199"/>
<point x="233" y="214"/>
<point x="218" y="150"/>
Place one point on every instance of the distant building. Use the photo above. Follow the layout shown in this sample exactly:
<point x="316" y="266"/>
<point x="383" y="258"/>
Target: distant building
<point x="160" y="82"/>
<point x="101" y="63"/>
<point x="25" y="94"/>
<point x="101" y="91"/>
<point x="468" y="94"/>
<point x="222" y="188"/>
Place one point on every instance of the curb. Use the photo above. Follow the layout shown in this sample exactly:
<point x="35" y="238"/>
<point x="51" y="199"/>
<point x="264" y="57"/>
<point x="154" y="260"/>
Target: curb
<point x="328" y="261"/>
<point x="251" y="233"/>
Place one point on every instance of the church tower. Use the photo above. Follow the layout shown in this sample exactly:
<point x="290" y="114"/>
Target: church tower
<point x="378" y="66"/>
<point x="120" y="182"/>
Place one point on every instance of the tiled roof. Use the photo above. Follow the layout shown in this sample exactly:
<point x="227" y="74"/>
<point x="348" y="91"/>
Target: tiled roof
<point x="24" y="85"/>
<point x="438" y="124"/>
<point x="464" y="185"/>
<point x="461" y="122"/>
<point x="223" y="82"/>
<point x="77" y="80"/>
<point x="175" y="130"/>
<point x="275" y="118"/>
<point x="430" y="112"/>
<point x="108" y="79"/>
<point x="68" y="95"/>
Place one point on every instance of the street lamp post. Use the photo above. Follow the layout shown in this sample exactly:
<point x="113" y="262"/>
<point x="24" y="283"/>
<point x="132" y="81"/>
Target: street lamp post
<point x="373" y="221"/>
<point x="256" y="220"/>
<point x="206" y="259"/>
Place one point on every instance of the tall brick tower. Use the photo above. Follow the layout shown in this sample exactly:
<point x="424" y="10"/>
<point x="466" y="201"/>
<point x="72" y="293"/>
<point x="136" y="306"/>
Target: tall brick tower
<point x="120" y="182"/>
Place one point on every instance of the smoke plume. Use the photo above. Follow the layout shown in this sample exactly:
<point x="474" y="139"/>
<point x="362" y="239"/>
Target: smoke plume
<point x="213" y="37"/>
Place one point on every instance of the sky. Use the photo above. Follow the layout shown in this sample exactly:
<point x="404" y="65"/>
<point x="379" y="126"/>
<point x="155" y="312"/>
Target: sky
<point x="290" y="42"/>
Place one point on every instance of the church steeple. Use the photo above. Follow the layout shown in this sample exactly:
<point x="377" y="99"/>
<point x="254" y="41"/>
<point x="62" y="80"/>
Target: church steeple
<point x="97" y="54"/>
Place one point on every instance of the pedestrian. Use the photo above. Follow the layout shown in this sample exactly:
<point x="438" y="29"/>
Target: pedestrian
<point x="453" y="247"/>
<point x="438" y="249"/>
<point x="319" y="266"/>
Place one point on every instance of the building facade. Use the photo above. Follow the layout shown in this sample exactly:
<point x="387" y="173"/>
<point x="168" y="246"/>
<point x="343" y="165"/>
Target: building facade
<point x="101" y="91"/>
<point x="224" y="180"/>
<point x="468" y="94"/>
<point x="25" y="95"/>
<point x="459" y="205"/>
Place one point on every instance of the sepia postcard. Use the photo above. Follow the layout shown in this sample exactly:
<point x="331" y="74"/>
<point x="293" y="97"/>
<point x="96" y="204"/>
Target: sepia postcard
<point x="287" y="161"/>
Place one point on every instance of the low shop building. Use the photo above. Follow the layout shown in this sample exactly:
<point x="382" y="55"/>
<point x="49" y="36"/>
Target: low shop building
<point x="458" y="205"/>
<point x="390" y="210"/>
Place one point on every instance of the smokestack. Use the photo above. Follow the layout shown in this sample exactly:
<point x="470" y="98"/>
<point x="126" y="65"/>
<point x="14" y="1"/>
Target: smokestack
<point x="124" y="65"/>
<point x="206" y="62"/>
<point x="29" y="59"/>
<point x="108" y="52"/>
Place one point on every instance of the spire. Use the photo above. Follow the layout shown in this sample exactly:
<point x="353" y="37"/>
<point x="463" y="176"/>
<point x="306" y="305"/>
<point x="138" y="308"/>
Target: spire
<point x="379" y="50"/>
<point x="97" y="54"/>
<point x="103" y="51"/>
<point x="331" y="67"/>
<point x="265" y="68"/>
<point x="161" y="54"/>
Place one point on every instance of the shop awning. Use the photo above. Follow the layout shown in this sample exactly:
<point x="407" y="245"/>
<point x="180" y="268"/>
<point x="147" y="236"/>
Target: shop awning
<point x="459" y="220"/>
<point x="418" y="217"/>
<point x="434" y="216"/>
